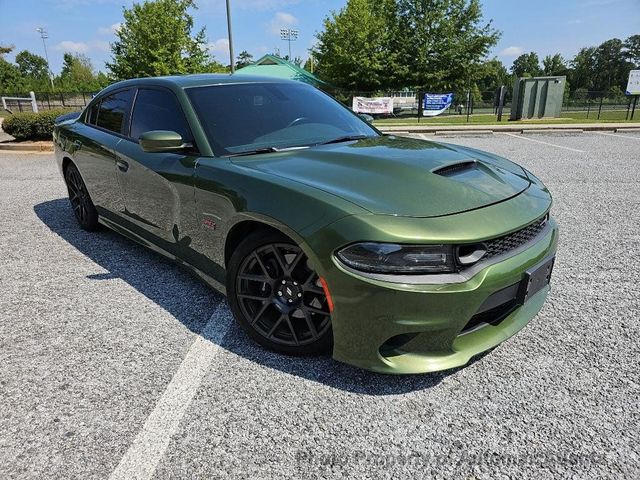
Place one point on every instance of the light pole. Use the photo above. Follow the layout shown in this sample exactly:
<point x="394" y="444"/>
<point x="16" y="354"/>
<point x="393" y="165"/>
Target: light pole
<point x="289" y="35"/>
<point x="44" y="35"/>
<point x="233" y="66"/>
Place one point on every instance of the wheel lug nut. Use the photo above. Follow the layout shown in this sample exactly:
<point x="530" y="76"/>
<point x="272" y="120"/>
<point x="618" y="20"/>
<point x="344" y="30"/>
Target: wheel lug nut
<point x="295" y="283"/>
<point x="299" y="295"/>
<point x="290" y="301"/>
<point x="279" y="293"/>
<point x="283" y="282"/>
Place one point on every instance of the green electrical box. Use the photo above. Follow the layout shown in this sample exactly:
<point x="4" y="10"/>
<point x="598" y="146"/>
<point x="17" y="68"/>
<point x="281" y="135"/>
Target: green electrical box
<point x="537" y="97"/>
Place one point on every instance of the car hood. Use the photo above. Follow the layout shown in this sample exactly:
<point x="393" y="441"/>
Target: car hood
<point x="399" y="176"/>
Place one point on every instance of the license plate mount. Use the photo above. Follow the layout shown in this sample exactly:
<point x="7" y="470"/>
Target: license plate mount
<point x="535" y="279"/>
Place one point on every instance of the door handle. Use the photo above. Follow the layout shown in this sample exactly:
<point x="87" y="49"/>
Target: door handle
<point x="77" y="144"/>
<point x="122" y="165"/>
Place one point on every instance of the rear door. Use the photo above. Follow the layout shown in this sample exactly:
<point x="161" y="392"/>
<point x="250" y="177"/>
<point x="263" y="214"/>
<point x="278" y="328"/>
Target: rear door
<point x="95" y="142"/>
<point x="158" y="187"/>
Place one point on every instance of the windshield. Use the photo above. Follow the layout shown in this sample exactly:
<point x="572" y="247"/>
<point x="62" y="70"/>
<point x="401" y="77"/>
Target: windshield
<point x="241" y="118"/>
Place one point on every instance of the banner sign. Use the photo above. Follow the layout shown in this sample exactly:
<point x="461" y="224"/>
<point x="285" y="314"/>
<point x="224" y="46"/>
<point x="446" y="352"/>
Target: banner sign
<point x="633" y="85"/>
<point x="436" y="103"/>
<point x="373" y="105"/>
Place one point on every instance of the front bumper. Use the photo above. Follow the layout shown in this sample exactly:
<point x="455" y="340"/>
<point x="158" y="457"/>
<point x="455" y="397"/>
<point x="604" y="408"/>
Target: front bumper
<point x="417" y="328"/>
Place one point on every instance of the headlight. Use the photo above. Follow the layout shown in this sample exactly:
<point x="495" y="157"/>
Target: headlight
<point x="392" y="258"/>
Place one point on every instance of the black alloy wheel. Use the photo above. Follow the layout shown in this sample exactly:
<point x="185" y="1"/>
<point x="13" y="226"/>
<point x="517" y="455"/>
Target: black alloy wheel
<point x="83" y="208"/>
<point x="278" y="298"/>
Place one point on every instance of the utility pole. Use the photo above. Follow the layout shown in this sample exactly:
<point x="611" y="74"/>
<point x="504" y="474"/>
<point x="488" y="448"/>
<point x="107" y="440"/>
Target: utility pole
<point x="231" y="56"/>
<point x="289" y="35"/>
<point x="44" y="35"/>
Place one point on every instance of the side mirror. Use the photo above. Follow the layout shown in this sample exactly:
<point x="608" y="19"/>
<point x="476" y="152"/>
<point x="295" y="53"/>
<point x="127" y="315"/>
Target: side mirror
<point x="162" y="141"/>
<point x="366" y="117"/>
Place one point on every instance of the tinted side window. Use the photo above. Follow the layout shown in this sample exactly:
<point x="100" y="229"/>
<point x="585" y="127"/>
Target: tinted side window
<point x="158" y="110"/>
<point x="113" y="111"/>
<point x="92" y="115"/>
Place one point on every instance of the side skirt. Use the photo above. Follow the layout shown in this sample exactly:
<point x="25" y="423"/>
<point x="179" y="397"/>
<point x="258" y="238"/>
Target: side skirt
<point x="187" y="266"/>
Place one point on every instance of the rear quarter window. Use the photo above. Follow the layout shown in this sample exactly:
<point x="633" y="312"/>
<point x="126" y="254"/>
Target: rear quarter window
<point x="92" y="114"/>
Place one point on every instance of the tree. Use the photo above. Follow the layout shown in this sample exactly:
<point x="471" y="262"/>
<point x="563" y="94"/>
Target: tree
<point x="4" y="49"/>
<point x="33" y="69"/>
<point x="156" y="39"/>
<point x="553" y="65"/>
<point x="492" y="75"/>
<point x="442" y="42"/>
<point x="216" y="67"/>
<point x="526" y="64"/>
<point x="428" y="44"/>
<point x="583" y="70"/>
<point x="11" y="80"/>
<point x="309" y="65"/>
<point x="244" y="59"/>
<point x="102" y="80"/>
<point x="476" y="94"/>
<point x="615" y="92"/>
<point x="611" y="68"/>
<point x="78" y="74"/>
<point x="632" y="49"/>
<point x="351" y="49"/>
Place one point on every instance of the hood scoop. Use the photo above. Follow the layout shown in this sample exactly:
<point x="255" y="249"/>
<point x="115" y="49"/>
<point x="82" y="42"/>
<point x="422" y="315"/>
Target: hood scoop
<point x="456" y="168"/>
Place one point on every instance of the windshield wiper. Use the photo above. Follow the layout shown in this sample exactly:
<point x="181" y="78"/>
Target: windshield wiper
<point x="256" y="151"/>
<point x="260" y="150"/>
<point x="344" y="138"/>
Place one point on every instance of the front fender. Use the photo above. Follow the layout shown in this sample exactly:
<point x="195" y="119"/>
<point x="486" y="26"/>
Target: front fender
<point x="227" y="194"/>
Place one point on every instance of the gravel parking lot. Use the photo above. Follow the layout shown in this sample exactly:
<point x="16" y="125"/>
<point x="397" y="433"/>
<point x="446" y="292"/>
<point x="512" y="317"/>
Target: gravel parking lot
<point x="115" y="363"/>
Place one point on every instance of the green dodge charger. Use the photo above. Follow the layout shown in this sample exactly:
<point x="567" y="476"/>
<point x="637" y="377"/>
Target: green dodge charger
<point x="396" y="255"/>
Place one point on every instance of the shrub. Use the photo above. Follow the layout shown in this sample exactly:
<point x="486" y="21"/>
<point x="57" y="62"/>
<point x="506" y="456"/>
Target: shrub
<point x="32" y="126"/>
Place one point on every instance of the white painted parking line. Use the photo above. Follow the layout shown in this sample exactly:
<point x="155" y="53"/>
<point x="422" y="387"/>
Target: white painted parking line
<point x="617" y="135"/>
<point x="148" y="448"/>
<point x="544" y="143"/>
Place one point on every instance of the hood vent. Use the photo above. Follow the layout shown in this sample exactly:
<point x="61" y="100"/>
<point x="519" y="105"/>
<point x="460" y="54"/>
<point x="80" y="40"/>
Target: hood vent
<point x="455" y="168"/>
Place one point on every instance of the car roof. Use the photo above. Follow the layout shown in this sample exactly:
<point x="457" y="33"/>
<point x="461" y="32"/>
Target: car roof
<point x="198" y="80"/>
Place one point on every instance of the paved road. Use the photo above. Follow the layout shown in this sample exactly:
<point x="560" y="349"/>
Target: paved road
<point x="115" y="363"/>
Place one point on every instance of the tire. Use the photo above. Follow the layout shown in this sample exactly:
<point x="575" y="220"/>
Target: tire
<point x="276" y="296"/>
<point x="83" y="208"/>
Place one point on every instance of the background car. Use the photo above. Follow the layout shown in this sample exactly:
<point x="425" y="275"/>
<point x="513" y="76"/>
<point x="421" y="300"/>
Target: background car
<point x="397" y="255"/>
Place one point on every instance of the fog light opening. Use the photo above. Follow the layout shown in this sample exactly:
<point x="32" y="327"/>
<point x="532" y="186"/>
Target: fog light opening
<point x="394" y="345"/>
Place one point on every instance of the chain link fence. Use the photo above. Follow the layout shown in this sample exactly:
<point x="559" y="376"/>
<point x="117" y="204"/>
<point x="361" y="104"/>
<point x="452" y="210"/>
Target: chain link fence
<point x="583" y="105"/>
<point x="49" y="100"/>
<point x="474" y="105"/>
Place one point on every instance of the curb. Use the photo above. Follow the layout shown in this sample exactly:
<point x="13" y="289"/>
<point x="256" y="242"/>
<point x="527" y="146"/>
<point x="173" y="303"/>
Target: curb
<point x="485" y="129"/>
<point x="464" y="132"/>
<point x="26" y="147"/>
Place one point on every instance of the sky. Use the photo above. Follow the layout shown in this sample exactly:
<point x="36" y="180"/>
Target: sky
<point x="87" y="26"/>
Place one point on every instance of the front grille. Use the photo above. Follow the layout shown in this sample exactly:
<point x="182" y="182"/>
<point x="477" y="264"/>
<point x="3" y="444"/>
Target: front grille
<point x="501" y="245"/>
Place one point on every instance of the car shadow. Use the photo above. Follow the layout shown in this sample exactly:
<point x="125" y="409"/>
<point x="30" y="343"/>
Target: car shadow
<point x="192" y="303"/>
